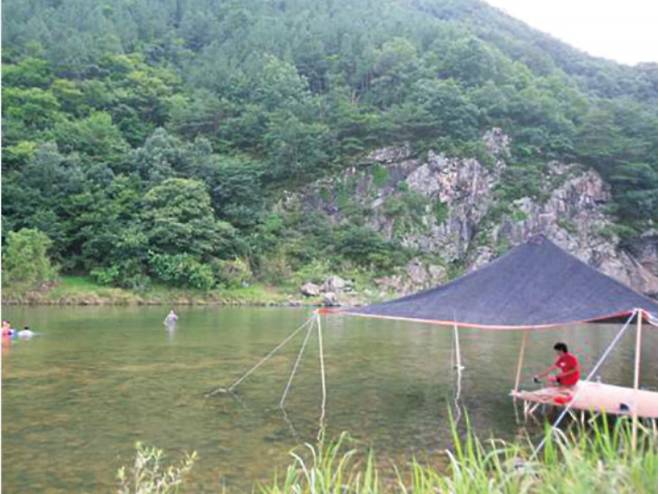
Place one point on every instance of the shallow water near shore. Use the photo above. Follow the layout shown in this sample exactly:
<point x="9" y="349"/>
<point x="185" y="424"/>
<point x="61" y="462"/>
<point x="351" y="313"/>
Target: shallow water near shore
<point x="95" y="380"/>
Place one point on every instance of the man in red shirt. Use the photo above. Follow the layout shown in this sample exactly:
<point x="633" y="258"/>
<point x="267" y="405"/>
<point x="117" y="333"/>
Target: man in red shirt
<point x="567" y="365"/>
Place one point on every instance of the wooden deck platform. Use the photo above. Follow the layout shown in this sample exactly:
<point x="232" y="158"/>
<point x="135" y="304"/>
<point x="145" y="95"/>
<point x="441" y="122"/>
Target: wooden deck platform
<point x="596" y="397"/>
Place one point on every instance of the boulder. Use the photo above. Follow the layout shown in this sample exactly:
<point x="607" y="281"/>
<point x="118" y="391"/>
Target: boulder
<point x="310" y="290"/>
<point x="335" y="284"/>
<point x="329" y="299"/>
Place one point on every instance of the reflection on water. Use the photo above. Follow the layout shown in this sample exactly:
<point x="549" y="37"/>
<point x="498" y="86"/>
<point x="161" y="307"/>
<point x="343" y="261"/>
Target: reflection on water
<point x="77" y="397"/>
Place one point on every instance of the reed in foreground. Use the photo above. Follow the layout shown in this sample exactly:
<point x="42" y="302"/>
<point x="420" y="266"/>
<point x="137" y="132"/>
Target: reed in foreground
<point x="149" y="475"/>
<point x="597" y="459"/>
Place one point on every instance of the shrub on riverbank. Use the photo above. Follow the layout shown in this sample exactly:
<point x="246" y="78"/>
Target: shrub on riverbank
<point x="25" y="259"/>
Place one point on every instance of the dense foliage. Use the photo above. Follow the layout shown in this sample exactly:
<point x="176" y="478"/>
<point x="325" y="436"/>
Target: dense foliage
<point x="148" y="138"/>
<point x="25" y="261"/>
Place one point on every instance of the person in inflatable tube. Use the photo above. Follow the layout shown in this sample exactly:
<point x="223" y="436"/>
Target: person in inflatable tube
<point x="7" y="330"/>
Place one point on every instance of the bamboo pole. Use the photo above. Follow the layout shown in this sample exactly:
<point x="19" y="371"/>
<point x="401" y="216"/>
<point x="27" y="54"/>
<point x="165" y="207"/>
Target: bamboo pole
<point x="458" y="367"/>
<point x="519" y="365"/>
<point x="636" y="381"/>
<point x="458" y="353"/>
<point x="322" y="375"/>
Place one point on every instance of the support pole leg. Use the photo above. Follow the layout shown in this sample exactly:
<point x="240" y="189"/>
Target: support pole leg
<point x="322" y="374"/>
<point x="458" y="353"/>
<point x="458" y="367"/>
<point x="636" y="381"/>
<point x="519" y="365"/>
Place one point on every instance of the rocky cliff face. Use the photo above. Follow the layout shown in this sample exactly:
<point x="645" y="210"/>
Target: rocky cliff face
<point x="450" y="209"/>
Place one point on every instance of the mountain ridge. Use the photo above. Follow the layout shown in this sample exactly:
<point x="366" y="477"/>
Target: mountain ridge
<point x="149" y="141"/>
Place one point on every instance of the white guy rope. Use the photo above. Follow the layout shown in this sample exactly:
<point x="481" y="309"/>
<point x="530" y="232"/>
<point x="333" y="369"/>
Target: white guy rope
<point x="294" y="369"/>
<point x="261" y="362"/>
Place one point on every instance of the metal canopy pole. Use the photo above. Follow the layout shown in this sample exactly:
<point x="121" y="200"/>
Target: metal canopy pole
<point x="519" y="365"/>
<point x="636" y="382"/>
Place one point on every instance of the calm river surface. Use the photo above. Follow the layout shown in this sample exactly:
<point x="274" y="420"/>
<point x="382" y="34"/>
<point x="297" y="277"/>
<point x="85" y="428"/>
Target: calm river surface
<point x="76" y="398"/>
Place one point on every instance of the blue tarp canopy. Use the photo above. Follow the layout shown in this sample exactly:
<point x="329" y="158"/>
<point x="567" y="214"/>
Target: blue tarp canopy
<point x="535" y="284"/>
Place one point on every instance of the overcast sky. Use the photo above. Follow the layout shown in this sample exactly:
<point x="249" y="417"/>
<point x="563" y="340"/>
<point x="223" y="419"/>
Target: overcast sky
<point x="622" y="30"/>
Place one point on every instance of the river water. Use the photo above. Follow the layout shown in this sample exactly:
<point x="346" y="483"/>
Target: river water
<point x="77" y="397"/>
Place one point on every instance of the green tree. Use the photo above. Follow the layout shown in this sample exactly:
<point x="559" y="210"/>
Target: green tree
<point x="26" y="112"/>
<point x="70" y="96"/>
<point x="25" y="259"/>
<point x="179" y="219"/>
<point x="637" y="191"/>
<point x="365" y="247"/>
<point x="182" y="270"/>
<point x="96" y="138"/>
<point x="29" y="72"/>
<point x="162" y="156"/>
<point x="395" y="68"/>
<point x="444" y="109"/>
<point x="296" y="148"/>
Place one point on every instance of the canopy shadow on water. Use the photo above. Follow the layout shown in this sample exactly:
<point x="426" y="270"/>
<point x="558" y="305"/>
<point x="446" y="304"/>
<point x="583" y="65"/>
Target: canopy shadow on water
<point x="536" y="284"/>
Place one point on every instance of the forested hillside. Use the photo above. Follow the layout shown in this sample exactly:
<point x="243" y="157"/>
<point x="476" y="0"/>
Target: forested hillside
<point x="149" y="140"/>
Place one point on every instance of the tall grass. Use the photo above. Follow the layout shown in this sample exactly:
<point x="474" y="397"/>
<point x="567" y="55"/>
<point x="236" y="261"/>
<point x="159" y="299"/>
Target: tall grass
<point x="593" y="459"/>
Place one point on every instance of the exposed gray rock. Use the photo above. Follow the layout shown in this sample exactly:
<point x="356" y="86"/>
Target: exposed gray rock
<point x="497" y="142"/>
<point x="417" y="273"/>
<point x="574" y="218"/>
<point x="438" y="274"/>
<point x="393" y="284"/>
<point x="462" y="186"/>
<point x="330" y="299"/>
<point x="310" y="290"/>
<point x="455" y="220"/>
<point x="645" y="250"/>
<point x="390" y="155"/>
<point x="335" y="284"/>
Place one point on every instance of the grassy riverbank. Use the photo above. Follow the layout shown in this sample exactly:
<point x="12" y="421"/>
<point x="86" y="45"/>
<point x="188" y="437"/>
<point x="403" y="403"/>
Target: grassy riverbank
<point x="598" y="460"/>
<point x="82" y="290"/>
